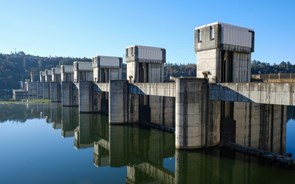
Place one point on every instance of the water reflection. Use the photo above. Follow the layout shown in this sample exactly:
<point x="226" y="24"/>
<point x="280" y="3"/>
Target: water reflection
<point x="148" y="156"/>
<point x="69" y="121"/>
<point x="55" y="115"/>
<point x="224" y="166"/>
<point x="22" y="112"/>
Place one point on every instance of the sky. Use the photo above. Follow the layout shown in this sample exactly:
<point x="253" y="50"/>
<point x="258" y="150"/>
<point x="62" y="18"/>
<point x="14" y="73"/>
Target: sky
<point x="87" y="28"/>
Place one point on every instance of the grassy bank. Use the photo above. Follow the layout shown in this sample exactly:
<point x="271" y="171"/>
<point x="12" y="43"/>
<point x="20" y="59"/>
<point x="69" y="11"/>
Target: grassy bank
<point x="22" y="101"/>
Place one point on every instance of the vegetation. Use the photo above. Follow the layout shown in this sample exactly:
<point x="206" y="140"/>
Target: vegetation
<point x="24" y="101"/>
<point x="258" y="67"/>
<point x="16" y="67"/>
<point x="177" y="70"/>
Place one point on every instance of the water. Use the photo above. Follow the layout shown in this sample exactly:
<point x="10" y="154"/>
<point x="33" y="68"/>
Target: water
<point x="44" y="143"/>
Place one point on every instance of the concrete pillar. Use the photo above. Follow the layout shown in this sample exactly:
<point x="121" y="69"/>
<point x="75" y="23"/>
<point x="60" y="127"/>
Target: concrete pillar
<point x="85" y="96"/>
<point x="89" y="97"/>
<point x="191" y="109"/>
<point x="118" y="101"/>
<point x="55" y="92"/>
<point x="46" y="90"/>
<point x="69" y="94"/>
<point x="40" y="90"/>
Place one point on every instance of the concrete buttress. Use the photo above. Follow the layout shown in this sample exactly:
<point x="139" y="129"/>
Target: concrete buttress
<point x="191" y="104"/>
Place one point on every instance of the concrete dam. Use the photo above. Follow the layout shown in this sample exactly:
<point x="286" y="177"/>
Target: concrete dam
<point x="219" y="105"/>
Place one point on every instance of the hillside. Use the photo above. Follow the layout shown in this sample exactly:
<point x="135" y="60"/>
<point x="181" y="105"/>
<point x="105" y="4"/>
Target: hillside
<point x="16" y="67"/>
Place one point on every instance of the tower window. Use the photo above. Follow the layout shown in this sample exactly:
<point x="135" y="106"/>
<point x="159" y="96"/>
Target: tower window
<point x="132" y="53"/>
<point x="211" y="33"/>
<point x="199" y="36"/>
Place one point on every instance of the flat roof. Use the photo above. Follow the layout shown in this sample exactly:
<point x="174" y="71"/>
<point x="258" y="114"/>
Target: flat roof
<point x="145" y="47"/>
<point x="107" y="56"/>
<point x="214" y="23"/>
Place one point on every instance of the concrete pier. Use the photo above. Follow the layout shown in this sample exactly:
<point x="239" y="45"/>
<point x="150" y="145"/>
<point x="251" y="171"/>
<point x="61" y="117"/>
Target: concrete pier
<point x="191" y="109"/>
<point x="69" y="94"/>
<point x="55" y="92"/>
<point x="118" y="102"/>
<point x="86" y="100"/>
<point x="46" y="90"/>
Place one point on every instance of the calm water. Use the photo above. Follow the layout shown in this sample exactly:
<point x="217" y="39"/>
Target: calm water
<point x="44" y="143"/>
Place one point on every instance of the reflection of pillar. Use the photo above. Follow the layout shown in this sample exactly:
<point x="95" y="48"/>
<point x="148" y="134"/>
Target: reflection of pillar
<point x="197" y="167"/>
<point x="55" y="115"/>
<point x="86" y="132"/>
<point x="118" y="101"/>
<point x="117" y="147"/>
<point x="69" y="121"/>
<point x="187" y="167"/>
<point x="191" y="113"/>
<point x="101" y="154"/>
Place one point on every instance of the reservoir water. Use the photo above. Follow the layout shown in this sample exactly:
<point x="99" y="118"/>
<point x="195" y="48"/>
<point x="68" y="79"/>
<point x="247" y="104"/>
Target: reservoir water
<point x="47" y="143"/>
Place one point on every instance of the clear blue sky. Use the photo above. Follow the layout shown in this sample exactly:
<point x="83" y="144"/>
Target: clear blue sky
<point x="85" y="28"/>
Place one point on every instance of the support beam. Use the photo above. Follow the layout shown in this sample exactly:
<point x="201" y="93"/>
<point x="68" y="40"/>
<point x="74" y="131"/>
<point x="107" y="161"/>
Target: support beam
<point x="118" y="102"/>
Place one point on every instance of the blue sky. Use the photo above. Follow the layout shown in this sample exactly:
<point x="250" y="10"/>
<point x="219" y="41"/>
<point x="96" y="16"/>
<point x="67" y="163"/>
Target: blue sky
<point x="85" y="28"/>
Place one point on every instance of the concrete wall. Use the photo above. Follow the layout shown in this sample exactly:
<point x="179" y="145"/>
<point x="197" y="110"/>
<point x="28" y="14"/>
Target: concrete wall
<point x="265" y="93"/>
<point x="153" y="89"/>
<point x="261" y="126"/>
